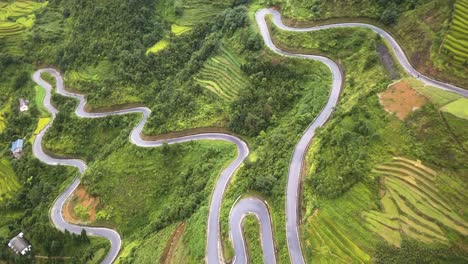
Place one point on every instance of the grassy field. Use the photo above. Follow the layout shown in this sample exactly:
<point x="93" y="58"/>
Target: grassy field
<point x="5" y="108"/>
<point x="41" y="124"/>
<point x="8" y="182"/>
<point x="160" y="45"/>
<point x="436" y="96"/>
<point x="15" y="19"/>
<point x="456" y="40"/>
<point x="179" y="30"/>
<point x="413" y="205"/>
<point x="222" y="75"/>
<point x="458" y="108"/>
<point x="38" y="100"/>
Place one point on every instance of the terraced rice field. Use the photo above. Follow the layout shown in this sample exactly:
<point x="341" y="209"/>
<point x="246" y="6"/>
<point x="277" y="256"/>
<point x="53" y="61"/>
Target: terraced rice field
<point x="196" y="11"/>
<point x="335" y="243"/>
<point x="412" y="205"/>
<point x="335" y="234"/>
<point x="179" y="30"/>
<point x="222" y="75"/>
<point x="15" y="19"/>
<point x="8" y="181"/>
<point x="456" y="40"/>
<point x="91" y="73"/>
<point x="160" y="45"/>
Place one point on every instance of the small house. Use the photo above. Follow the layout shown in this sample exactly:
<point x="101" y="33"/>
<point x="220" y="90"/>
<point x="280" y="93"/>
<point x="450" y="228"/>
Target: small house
<point x="17" y="148"/>
<point x="19" y="245"/>
<point x="24" y="104"/>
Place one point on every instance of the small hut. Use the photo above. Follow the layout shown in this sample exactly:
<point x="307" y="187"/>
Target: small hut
<point x="17" y="148"/>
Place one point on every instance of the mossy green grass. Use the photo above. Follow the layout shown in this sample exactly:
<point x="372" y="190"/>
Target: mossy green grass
<point x="458" y="108"/>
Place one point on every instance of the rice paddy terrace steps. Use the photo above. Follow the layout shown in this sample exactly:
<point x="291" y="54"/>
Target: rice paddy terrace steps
<point x="15" y="19"/>
<point x="412" y="205"/>
<point x="222" y="75"/>
<point x="456" y="40"/>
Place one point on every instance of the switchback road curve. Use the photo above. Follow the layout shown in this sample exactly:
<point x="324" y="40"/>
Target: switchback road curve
<point x="249" y="205"/>
<point x="293" y="192"/>
<point x="135" y="138"/>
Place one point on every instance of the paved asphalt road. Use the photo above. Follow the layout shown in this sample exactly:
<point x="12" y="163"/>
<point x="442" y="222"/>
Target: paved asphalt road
<point x="245" y="206"/>
<point x="292" y="199"/>
<point x="111" y="235"/>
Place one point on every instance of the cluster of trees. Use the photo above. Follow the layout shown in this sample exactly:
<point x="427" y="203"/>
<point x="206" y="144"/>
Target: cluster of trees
<point x="391" y="10"/>
<point x="346" y="142"/>
<point x="272" y="90"/>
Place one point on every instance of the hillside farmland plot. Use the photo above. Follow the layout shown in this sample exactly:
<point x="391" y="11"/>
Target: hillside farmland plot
<point x="8" y="181"/>
<point x="412" y="205"/>
<point x="222" y="75"/>
<point x="456" y="40"/>
<point x="15" y="19"/>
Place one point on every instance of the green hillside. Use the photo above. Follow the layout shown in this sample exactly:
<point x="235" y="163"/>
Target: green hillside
<point x="16" y="18"/>
<point x="412" y="205"/>
<point x="222" y="75"/>
<point x="201" y="66"/>
<point x="8" y="182"/>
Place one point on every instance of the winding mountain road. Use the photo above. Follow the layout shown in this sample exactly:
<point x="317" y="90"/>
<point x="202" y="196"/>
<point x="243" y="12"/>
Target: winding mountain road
<point x="245" y="206"/>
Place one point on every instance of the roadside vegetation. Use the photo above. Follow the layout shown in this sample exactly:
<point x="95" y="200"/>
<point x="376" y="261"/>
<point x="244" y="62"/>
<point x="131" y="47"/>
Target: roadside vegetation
<point x="342" y="191"/>
<point x="430" y="20"/>
<point x="210" y="69"/>
<point x="28" y="187"/>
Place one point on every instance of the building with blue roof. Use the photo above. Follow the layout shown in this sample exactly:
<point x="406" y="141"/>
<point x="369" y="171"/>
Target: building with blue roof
<point x="17" y="148"/>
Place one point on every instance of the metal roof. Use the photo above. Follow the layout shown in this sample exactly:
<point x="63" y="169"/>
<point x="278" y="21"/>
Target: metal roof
<point x="17" y="144"/>
<point x="18" y="244"/>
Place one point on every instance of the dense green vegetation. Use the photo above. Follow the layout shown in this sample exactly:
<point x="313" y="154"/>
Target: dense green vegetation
<point x="420" y="26"/>
<point x="162" y="186"/>
<point x="33" y="185"/>
<point x="365" y="135"/>
<point x="210" y="69"/>
<point x="119" y="72"/>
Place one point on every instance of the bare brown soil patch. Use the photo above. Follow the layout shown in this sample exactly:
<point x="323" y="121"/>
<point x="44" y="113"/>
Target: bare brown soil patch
<point x="172" y="243"/>
<point x="401" y="99"/>
<point x="82" y="197"/>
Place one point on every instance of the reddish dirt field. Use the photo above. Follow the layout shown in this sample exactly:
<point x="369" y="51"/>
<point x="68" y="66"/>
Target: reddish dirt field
<point x="80" y="196"/>
<point x="401" y="99"/>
